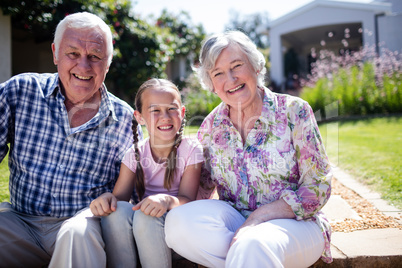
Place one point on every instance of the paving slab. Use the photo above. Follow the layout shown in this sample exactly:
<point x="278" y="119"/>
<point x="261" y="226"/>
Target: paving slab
<point x="372" y="242"/>
<point x="373" y="197"/>
<point x="337" y="210"/>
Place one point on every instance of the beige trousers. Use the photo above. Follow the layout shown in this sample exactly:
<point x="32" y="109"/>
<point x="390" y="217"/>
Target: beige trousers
<point x="33" y="241"/>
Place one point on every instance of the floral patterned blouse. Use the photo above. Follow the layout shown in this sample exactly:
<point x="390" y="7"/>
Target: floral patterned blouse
<point x="283" y="157"/>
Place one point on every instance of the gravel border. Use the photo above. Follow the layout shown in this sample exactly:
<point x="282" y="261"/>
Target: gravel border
<point x="372" y="218"/>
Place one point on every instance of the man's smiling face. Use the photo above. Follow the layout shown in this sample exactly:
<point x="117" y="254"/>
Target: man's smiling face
<point x="82" y="63"/>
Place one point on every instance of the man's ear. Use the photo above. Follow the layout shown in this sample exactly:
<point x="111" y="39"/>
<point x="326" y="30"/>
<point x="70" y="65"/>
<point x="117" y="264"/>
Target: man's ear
<point x="54" y="54"/>
<point x="139" y="118"/>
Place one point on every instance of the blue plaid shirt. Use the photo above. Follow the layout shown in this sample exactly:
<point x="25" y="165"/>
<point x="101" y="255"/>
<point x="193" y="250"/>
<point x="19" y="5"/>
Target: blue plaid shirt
<point x="55" y="171"/>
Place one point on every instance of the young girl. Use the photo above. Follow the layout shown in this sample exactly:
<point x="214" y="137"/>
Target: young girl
<point x="165" y="171"/>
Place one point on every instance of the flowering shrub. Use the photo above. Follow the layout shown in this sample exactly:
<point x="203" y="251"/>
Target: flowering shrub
<point x="361" y="82"/>
<point x="199" y="102"/>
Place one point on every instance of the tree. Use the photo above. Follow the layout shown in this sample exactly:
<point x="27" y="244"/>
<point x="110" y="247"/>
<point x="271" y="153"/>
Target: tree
<point x="254" y="25"/>
<point x="141" y="50"/>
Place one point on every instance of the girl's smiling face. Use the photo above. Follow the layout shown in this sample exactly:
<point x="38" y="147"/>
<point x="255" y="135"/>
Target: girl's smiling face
<point x="162" y="114"/>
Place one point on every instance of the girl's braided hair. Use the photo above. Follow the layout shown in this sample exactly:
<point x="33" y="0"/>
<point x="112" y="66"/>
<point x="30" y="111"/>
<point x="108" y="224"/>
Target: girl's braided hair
<point x="171" y="159"/>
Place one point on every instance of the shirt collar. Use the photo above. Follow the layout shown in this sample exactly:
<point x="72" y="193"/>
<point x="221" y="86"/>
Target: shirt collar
<point x="105" y="108"/>
<point x="267" y="114"/>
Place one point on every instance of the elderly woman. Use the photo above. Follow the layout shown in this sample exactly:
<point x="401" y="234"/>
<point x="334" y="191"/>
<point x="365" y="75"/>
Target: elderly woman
<point x="267" y="160"/>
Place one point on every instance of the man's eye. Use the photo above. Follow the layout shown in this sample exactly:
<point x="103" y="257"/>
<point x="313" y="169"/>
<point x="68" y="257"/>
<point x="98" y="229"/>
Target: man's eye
<point x="94" y="58"/>
<point x="173" y="108"/>
<point x="72" y="55"/>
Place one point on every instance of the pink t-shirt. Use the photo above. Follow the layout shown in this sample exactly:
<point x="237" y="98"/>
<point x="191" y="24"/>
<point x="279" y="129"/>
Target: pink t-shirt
<point x="189" y="153"/>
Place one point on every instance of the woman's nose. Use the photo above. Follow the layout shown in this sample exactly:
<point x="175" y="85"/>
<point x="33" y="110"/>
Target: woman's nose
<point x="232" y="76"/>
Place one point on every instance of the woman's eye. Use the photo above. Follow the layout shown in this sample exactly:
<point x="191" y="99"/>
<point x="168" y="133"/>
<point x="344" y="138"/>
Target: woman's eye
<point x="217" y="74"/>
<point x="236" y="66"/>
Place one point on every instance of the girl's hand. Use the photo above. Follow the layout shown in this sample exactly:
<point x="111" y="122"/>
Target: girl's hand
<point x="104" y="204"/>
<point x="154" y="205"/>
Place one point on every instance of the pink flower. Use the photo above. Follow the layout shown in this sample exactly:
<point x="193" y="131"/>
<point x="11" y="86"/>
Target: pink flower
<point x="220" y="140"/>
<point x="309" y="200"/>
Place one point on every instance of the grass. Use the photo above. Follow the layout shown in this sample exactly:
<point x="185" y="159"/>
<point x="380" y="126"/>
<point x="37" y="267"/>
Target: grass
<point x="4" y="174"/>
<point x="370" y="150"/>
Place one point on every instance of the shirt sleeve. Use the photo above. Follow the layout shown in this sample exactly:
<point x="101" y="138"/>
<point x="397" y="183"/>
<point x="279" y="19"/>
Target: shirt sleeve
<point x="195" y="153"/>
<point x="5" y="121"/>
<point x="314" y="186"/>
<point x="207" y="187"/>
<point x="129" y="159"/>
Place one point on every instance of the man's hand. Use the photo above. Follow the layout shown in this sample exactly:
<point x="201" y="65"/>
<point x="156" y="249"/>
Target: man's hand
<point x="154" y="205"/>
<point x="104" y="204"/>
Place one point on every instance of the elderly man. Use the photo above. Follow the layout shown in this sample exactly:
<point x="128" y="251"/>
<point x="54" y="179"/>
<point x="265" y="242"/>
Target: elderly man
<point x="66" y="136"/>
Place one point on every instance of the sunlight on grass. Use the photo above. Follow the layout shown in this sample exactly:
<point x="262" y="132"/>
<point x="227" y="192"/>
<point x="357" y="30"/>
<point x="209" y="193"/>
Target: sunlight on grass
<point x="4" y="174"/>
<point x="370" y="151"/>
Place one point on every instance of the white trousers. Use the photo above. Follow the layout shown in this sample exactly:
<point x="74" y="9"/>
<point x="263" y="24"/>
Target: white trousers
<point x="201" y="231"/>
<point x="79" y="243"/>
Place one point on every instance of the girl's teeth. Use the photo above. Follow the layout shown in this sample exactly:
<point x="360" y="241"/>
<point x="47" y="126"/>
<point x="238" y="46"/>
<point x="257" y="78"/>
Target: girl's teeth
<point x="164" y="128"/>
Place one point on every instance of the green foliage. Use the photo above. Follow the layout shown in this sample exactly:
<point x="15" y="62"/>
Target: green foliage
<point x="4" y="174"/>
<point x="141" y="50"/>
<point x="198" y="101"/>
<point x="361" y="85"/>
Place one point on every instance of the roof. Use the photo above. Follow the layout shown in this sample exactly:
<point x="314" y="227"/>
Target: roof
<point x="376" y="7"/>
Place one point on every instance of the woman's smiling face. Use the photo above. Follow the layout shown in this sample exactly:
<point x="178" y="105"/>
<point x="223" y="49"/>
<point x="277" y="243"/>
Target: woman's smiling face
<point x="234" y="78"/>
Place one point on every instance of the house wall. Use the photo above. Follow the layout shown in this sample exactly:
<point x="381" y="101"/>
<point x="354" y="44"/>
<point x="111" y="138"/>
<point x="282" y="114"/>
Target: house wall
<point x="5" y="47"/>
<point x="390" y="32"/>
<point x="317" y="16"/>
<point x="29" y="56"/>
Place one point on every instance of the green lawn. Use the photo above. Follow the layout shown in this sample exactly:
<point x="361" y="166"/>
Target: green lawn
<point x="370" y="150"/>
<point x="4" y="173"/>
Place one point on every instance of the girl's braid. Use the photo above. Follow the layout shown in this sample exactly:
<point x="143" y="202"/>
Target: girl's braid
<point x="171" y="160"/>
<point x="139" y="173"/>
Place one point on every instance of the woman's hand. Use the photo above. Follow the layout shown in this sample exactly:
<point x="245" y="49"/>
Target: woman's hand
<point x="104" y="205"/>
<point x="154" y="205"/>
<point x="276" y="210"/>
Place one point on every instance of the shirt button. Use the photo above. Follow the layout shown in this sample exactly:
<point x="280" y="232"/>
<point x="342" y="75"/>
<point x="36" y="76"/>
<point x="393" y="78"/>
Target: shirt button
<point x="54" y="195"/>
<point x="61" y="166"/>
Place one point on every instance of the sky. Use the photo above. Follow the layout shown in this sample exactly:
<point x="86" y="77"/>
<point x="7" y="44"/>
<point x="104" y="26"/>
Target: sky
<point x="215" y="14"/>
